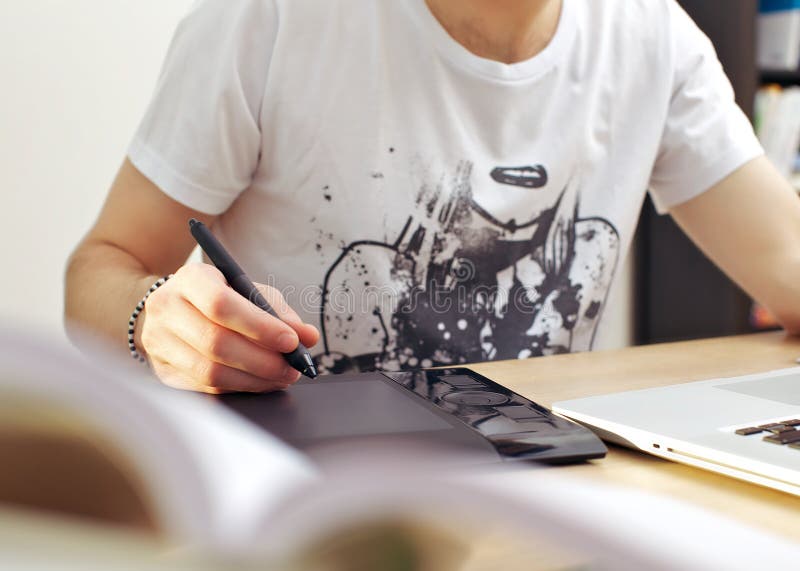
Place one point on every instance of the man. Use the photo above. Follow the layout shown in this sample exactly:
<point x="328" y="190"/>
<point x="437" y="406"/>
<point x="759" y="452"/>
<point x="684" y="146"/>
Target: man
<point x="425" y="182"/>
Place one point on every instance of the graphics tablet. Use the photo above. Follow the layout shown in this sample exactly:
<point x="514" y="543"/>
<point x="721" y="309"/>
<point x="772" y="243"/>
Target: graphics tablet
<point x="455" y="408"/>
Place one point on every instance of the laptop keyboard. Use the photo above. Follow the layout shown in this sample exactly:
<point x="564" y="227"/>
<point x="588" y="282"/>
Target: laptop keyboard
<point x="784" y="433"/>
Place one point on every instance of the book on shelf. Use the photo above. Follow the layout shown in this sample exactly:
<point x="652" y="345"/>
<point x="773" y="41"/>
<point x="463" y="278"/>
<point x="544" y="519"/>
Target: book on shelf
<point x="778" y="32"/>
<point x="103" y="440"/>
<point x="777" y="124"/>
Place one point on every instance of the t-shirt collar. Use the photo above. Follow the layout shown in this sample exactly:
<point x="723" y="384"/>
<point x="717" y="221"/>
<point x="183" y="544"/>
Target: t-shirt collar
<point x="529" y="69"/>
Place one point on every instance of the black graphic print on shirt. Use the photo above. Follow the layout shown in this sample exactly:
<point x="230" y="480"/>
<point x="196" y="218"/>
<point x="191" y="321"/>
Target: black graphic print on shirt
<point x="466" y="286"/>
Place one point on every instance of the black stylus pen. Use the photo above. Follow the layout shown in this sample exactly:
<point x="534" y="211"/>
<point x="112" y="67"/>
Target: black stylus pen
<point x="300" y="359"/>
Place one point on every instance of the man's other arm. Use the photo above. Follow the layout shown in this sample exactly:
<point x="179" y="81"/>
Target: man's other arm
<point x="749" y="225"/>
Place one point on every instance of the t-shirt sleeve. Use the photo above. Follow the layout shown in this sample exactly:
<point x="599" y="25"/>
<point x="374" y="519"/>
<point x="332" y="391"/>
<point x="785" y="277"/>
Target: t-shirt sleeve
<point x="706" y="136"/>
<point x="200" y="138"/>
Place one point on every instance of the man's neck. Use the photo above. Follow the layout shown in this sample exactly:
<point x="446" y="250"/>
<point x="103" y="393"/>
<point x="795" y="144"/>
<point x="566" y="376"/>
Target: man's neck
<point x="509" y="31"/>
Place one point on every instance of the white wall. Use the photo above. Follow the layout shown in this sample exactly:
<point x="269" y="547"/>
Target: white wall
<point x="75" y="77"/>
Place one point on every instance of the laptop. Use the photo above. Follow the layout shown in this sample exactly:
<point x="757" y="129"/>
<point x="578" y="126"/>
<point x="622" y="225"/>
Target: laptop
<point x="745" y="427"/>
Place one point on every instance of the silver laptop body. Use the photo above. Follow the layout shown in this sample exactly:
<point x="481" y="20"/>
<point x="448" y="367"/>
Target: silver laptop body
<point x="697" y="423"/>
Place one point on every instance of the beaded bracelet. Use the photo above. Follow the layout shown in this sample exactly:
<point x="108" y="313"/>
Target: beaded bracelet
<point x="132" y="323"/>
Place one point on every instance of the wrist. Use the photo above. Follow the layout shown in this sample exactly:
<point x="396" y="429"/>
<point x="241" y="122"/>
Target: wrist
<point x="140" y="289"/>
<point x="137" y="318"/>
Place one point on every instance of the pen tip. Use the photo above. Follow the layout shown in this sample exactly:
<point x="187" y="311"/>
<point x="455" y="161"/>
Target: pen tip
<point x="311" y="372"/>
<point x="192" y="222"/>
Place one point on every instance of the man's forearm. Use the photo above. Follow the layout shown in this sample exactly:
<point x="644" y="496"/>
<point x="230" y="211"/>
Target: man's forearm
<point x="103" y="285"/>
<point x="749" y="225"/>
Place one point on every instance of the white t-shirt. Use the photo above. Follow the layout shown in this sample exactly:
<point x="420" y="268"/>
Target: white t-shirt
<point x="423" y="205"/>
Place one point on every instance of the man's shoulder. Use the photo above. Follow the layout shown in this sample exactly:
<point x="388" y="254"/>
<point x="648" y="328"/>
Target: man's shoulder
<point x="221" y="12"/>
<point x="636" y="10"/>
<point x="629" y="15"/>
<point x="626" y="34"/>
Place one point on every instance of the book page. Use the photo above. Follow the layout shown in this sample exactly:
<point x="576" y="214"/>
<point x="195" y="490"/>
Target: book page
<point x="217" y="483"/>
<point x="203" y="472"/>
<point x="244" y="471"/>
<point x="608" y="526"/>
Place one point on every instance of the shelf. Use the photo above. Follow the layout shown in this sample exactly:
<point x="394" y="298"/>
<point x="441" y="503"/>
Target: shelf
<point x="781" y="77"/>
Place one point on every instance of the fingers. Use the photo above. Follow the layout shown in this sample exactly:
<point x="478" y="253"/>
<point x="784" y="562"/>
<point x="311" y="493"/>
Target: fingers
<point x="204" y="287"/>
<point x="220" y="345"/>
<point x="200" y="334"/>
<point x="308" y="334"/>
<point x="278" y="303"/>
<point x="181" y="367"/>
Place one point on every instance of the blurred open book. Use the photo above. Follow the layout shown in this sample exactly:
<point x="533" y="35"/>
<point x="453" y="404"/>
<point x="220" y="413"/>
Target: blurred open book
<point x="100" y="440"/>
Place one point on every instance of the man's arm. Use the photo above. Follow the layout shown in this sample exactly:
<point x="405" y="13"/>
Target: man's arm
<point x="197" y="332"/>
<point x="138" y="237"/>
<point x="749" y="225"/>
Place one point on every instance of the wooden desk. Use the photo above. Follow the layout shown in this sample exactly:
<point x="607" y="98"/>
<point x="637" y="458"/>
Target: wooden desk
<point x="550" y="379"/>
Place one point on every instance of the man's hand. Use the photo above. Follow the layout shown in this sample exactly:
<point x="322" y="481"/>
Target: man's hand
<point x="199" y="334"/>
